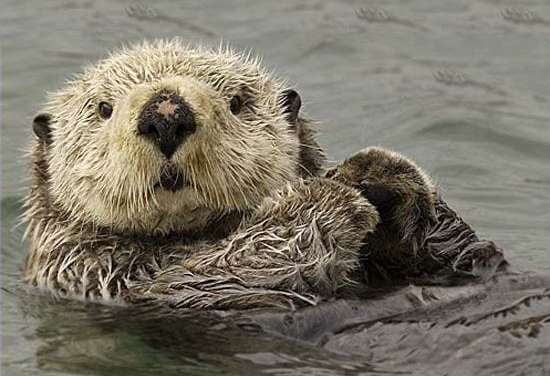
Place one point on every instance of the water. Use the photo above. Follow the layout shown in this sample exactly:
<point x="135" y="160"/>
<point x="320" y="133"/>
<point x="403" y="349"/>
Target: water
<point x="460" y="86"/>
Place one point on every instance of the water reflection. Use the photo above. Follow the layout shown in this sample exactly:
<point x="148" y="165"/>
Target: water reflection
<point x="81" y="338"/>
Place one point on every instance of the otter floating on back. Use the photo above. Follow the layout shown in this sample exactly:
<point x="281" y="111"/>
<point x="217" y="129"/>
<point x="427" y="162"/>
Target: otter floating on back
<point x="188" y="176"/>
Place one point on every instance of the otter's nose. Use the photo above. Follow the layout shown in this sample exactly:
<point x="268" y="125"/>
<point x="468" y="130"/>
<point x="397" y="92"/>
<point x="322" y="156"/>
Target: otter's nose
<point x="167" y="120"/>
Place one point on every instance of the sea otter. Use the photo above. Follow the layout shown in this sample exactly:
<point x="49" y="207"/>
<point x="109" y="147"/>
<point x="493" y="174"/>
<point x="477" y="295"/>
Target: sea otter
<point x="188" y="176"/>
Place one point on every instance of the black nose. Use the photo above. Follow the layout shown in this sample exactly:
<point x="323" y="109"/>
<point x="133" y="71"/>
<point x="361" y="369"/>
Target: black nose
<point x="167" y="120"/>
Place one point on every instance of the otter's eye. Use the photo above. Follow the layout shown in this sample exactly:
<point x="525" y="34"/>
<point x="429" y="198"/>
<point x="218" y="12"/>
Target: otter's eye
<point x="235" y="104"/>
<point x="105" y="110"/>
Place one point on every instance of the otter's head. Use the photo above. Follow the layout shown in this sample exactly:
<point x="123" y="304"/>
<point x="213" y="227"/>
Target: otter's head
<point x="160" y="137"/>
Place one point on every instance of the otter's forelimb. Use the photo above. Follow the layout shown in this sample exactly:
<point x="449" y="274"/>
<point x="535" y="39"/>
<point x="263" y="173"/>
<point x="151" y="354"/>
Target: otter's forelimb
<point x="401" y="192"/>
<point x="301" y="244"/>
<point x="419" y="237"/>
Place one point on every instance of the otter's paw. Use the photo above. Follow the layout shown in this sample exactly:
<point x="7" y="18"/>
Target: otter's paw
<point x="306" y="238"/>
<point x="402" y="193"/>
<point x="340" y="213"/>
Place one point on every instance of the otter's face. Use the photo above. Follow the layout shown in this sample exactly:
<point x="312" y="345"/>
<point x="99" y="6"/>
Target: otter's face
<point x="161" y="137"/>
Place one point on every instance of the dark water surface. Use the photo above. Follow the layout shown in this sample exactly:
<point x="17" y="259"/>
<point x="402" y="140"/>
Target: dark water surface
<point x="463" y="87"/>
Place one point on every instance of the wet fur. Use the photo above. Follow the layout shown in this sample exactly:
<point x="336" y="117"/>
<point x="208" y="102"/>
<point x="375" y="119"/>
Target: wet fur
<point x="258" y="226"/>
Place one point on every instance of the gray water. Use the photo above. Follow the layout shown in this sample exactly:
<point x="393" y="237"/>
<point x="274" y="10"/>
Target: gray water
<point x="463" y="87"/>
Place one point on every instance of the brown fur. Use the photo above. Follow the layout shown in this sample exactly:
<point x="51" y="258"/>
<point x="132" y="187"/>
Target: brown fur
<point x="256" y="226"/>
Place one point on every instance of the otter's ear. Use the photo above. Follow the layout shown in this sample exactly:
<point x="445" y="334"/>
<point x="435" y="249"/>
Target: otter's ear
<point x="41" y="127"/>
<point x="311" y="156"/>
<point x="291" y="104"/>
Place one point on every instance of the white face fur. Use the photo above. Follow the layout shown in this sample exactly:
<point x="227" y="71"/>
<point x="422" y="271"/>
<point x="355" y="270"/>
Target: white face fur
<point x="103" y="171"/>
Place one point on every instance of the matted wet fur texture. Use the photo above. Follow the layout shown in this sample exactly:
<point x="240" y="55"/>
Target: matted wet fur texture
<point x="220" y="201"/>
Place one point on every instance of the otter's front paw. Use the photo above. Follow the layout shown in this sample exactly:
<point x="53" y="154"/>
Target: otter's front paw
<point x="306" y="238"/>
<point x="339" y="212"/>
<point x="402" y="193"/>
